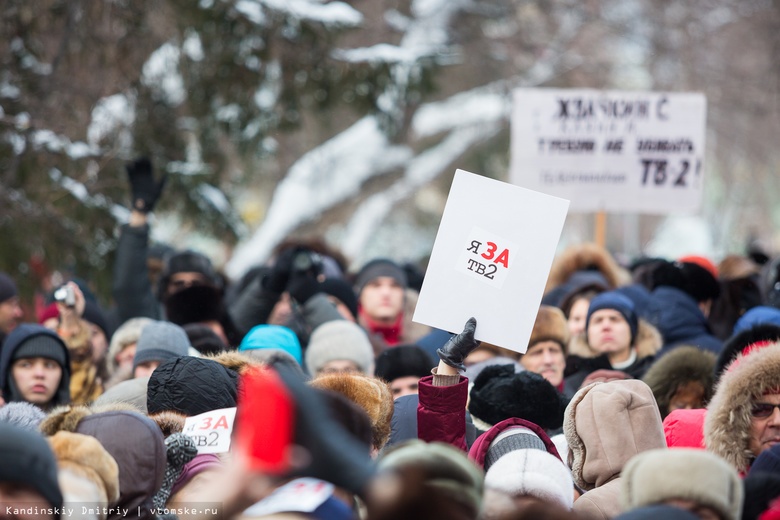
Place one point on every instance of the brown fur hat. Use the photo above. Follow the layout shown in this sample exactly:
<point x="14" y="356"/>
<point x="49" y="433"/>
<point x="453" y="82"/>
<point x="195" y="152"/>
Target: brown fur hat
<point x="550" y="325"/>
<point x="648" y="341"/>
<point x="727" y="426"/>
<point x="85" y="456"/>
<point x="371" y="394"/>
<point x="587" y="256"/>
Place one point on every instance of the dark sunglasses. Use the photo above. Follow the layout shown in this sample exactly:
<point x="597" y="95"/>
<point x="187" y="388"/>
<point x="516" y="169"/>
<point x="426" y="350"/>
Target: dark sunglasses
<point x="763" y="410"/>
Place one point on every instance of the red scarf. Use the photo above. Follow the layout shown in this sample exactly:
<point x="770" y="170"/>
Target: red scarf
<point x="390" y="333"/>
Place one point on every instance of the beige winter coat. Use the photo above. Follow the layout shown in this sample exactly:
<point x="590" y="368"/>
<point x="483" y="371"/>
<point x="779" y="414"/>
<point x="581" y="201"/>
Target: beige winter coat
<point x="605" y="425"/>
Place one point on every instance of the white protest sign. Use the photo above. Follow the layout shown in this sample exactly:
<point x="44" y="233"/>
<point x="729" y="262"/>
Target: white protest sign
<point x="302" y="495"/>
<point x="211" y="431"/>
<point x="635" y="152"/>
<point x="491" y="259"/>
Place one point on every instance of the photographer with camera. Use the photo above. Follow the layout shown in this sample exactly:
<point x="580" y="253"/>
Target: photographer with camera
<point x="86" y="385"/>
<point x="301" y="290"/>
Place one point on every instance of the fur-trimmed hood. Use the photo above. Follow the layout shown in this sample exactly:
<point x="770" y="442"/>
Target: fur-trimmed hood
<point x="648" y="342"/>
<point x="682" y="365"/>
<point x="86" y="457"/>
<point x="605" y="425"/>
<point x="590" y="257"/>
<point x="237" y="361"/>
<point x="132" y="439"/>
<point x="728" y="423"/>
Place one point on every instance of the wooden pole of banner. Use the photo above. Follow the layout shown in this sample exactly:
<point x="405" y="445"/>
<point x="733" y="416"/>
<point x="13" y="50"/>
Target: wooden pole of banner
<point x="601" y="228"/>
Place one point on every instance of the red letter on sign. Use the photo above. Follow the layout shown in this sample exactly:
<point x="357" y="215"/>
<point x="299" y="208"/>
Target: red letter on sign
<point x="503" y="258"/>
<point x="490" y="252"/>
<point x="221" y="423"/>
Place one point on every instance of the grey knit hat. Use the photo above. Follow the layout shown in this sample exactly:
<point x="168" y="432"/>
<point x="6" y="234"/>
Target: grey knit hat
<point x="512" y="439"/>
<point x="159" y="341"/>
<point x="336" y="340"/>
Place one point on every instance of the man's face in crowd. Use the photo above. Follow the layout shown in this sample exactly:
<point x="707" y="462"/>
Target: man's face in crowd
<point x="10" y="314"/>
<point x="407" y="385"/>
<point x="545" y="358"/>
<point x="609" y="333"/>
<point x="764" y="424"/>
<point x="382" y="299"/>
<point x="37" y="378"/>
<point x="180" y="281"/>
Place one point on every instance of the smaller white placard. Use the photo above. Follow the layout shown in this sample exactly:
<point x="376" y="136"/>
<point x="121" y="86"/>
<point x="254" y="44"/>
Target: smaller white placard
<point x="211" y="431"/>
<point x="302" y="495"/>
<point x="491" y="258"/>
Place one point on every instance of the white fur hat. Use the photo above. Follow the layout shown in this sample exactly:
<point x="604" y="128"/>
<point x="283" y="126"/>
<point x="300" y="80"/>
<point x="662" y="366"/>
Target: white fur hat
<point x="533" y="473"/>
<point x="655" y="476"/>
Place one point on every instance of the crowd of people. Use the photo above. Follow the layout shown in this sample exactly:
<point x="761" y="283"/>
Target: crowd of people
<point x="647" y="390"/>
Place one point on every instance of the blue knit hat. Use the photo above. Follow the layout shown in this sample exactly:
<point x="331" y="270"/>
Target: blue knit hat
<point x="617" y="302"/>
<point x="272" y="336"/>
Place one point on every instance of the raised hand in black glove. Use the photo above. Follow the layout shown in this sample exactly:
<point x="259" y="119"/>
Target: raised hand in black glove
<point x="458" y="347"/>
<point x="145" y="190"/>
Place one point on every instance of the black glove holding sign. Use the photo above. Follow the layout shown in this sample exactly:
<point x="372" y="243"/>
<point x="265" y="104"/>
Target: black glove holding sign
<point x="145" y="190"/>
<point x="459" y="347"/>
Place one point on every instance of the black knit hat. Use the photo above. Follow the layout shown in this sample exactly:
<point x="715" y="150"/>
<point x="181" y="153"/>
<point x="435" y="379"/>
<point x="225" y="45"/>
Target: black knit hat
<point x="403" y="361"/>
<point x="28" y="459"/>
<point x="688" y="277"/>
<point x="95" y="315"/>
<point x="734" y="346"/>
<point x="203" y="339"/>
<point x="44" y="346"/>
<point x="7" y="287"/>
<point x="187" y="262"/>
<point x="343" y="291"/>
<point x="380" y="267"/>
<point x="499" y="393"/>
